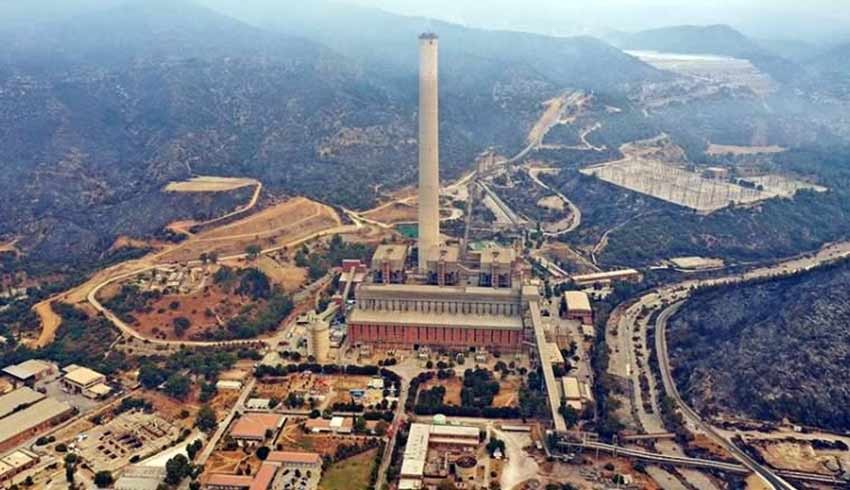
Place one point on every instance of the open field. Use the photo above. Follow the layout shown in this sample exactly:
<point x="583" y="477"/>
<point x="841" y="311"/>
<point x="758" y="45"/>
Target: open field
<point x="350" y="474"/>
<point x="800" y="456"/>
<point x="276" y="226"/>
<point x="209" y="184"/>
<point x="742" y="150"/>
<point x="396" y="212"/>
<point x="285" y="275"/>
<point x="508" y="395"/>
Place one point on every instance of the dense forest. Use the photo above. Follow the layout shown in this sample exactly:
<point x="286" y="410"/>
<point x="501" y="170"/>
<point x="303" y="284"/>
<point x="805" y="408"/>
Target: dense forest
<point x="770" y="350"/>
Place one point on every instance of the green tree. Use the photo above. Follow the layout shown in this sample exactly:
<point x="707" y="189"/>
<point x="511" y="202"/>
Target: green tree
<point x="253" y="251"/>
<point x="177" y="386"/>
<point x="103" y="479"/>
<point x="176" y="469"/>
<point x="263" y="453"/>
<point x="205" y="420"/>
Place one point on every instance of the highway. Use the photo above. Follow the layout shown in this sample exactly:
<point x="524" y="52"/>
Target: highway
<point x="691" y="416"/>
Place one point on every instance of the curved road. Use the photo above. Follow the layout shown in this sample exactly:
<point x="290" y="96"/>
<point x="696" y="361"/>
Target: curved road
<point x="678" y="293"/>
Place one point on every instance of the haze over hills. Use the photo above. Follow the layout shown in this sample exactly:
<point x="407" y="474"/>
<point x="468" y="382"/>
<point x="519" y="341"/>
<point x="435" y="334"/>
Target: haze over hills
<point x="123" y="100"/>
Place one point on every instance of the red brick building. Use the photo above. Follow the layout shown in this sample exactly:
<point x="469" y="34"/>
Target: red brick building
<point x="410" y="316"/>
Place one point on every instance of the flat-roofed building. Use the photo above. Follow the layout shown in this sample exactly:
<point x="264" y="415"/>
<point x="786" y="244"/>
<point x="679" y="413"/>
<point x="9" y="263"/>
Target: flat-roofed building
<point x="82" y="379"/>
<point x="421" y="437"/>
<point x="444" y="267"/>
<point x="292" y="460"/>
<point x="389" y="263"/>
<point x="335" y="425"/>
<point x="576" y="393"/>
<point x="497" y="267"/>
<point x="18" y="399"/>
<point x="606" y="277"/>
<point x="137" y="477"/>
<point x="262" y="480"/>
<point x="28" y="422"/>
<point x="16" y="462"/>
<point x="578" y="307"/>
<point x="29" y="372"/>
<point x="251" y="428"/>
<point x="404" y="315"/>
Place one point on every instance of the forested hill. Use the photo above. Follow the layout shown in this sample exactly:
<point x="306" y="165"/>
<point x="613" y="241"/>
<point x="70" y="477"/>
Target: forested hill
<point x="768" y="351"/>
<point x="98" y="110"/>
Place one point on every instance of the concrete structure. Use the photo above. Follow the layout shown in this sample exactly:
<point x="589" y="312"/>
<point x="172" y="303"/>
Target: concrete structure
<point x="16" y="462"/>
<point x="18" y="399"/>
<point x="454" y="317"/>
<point x="429" y="149"/>
<point x="576" y="393"/>
<point x="260" y="404"/>
<point x="28" y="372"/>
<point x="336" y="425"/>
<point x="420" y="438"/>
<point x="606" y="277"/>
<point x="291" y="460"/>
<point x="139" y="477"/>
<point x="578" y="307"/>
<point x="465" y="468"/>
<point x="228" y="385"/>
<point x="251" y="428"/>
<point x="389" y="263"/>
<point x="85" y="381"/>
<point x="26" y="423"/>
<point x="318" y="338"/>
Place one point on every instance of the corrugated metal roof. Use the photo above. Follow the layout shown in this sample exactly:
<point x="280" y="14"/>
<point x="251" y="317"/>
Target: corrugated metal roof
<point x="31" y="417"/>
<point x="22" y="396"/>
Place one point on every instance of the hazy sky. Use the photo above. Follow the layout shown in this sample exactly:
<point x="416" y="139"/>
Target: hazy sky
<point x="812" y="19"/>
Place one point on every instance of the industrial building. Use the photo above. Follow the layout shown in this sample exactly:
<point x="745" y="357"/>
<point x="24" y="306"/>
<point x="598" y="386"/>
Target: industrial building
<point x="318" y="338"/>
<point x="251" y="428"/>
<point x="273" y="473"/>
<point x="631" y="275"/>
<point x="85" y="381"/>
<point x="451" y="317"/>
<point x="23" y="423"/>
<point x="29" y="372"/>
<point x="421" y="438"/>
<point x="577" y="307"/>
<point x="17" y="462"/>
<point x="576" y="393"/>
<point x="440" y="294"/>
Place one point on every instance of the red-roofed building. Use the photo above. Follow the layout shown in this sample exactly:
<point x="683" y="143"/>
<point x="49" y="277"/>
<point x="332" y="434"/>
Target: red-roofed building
<point x="251" y="428"/>
<point x="262" y="480"/>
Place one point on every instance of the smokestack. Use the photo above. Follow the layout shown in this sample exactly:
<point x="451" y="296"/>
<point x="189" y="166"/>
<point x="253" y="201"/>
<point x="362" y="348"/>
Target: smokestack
<point x="429" y="149"/>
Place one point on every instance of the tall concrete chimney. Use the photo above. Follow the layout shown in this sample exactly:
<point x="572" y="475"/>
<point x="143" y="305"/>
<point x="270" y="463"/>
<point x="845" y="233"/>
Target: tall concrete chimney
<point x="429" y="149"/>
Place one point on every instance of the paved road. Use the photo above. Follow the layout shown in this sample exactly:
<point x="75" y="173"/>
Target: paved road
<point x="219" y="431"/>
<point x="670" y="386"/>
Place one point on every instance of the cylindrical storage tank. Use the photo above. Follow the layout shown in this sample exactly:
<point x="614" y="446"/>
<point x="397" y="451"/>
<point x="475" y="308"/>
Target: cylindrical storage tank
<point x="319" y="340"/>
<point x="465" y="468"/>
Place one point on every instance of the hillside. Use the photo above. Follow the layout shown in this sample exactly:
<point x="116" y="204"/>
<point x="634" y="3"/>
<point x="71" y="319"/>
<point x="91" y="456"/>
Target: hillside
<point x="719" y="40"/>
<point x="832" y="70"/>
<point x="99" y="110"/>
<point x="726" y="345"/>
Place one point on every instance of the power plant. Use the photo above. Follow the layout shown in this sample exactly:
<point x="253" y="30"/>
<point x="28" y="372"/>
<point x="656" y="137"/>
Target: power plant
<point x="448" y="297"/>
<point x="429" y="149"/>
